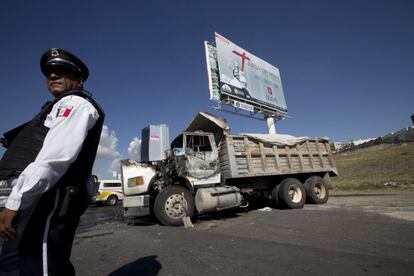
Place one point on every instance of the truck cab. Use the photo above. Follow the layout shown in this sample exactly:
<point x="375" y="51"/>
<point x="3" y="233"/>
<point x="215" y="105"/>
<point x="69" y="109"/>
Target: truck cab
<point x="192" y="162"/>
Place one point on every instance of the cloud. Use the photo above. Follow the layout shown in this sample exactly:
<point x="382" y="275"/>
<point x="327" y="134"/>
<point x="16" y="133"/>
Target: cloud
<point x="107" y="145"/>
<point x="108" y="152"/>
<point x="115" y="166"/>
<point x="134" y="149"/>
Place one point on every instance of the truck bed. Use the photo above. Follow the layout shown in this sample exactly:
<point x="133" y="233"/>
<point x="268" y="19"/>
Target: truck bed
<point x="245" y="156"/>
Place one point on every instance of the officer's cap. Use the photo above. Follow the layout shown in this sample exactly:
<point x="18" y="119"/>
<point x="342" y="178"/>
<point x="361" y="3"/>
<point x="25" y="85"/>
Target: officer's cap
<point x="62" y="58"/>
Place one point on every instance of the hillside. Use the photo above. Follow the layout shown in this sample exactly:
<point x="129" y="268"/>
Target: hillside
<point x="380" y="167"/>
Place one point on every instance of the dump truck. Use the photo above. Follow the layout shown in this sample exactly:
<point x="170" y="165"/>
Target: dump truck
<point x="207" y="169"/>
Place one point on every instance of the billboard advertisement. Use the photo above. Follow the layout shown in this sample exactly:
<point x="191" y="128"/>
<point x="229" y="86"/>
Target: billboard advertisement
<point x="248" y="78"/>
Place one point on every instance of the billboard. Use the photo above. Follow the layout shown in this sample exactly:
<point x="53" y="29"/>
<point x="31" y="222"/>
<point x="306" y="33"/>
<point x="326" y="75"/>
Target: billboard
<point x="212" y="72"/>
<point x="245" y="77"/>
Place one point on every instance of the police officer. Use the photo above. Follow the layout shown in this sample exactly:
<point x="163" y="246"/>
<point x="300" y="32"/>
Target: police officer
<point x="47" y="163"/>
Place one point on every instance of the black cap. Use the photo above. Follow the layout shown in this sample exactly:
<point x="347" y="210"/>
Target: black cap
<point x="62" y="58"/>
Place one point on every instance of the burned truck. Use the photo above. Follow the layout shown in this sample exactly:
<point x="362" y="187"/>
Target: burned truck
<point x="207" y="169"/>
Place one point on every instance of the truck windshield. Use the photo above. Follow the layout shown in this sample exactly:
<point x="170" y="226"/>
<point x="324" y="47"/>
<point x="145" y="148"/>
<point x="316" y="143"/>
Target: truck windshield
<point x="197" y="143"/>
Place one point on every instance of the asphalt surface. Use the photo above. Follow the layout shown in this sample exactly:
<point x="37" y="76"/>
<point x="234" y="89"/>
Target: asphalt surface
<point x="368" y="234"/>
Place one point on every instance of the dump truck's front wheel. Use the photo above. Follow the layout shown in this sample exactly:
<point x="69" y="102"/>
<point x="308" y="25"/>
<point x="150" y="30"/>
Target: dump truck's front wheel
<point x="173" y="204"/>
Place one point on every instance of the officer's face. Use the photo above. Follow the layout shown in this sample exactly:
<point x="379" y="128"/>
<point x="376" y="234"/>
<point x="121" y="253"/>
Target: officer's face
<point x="61" y="80"/>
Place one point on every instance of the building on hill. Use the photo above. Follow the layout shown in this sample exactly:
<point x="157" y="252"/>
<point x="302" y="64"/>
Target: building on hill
<point x="404" y="135"/>
<point x="361" y="141"/>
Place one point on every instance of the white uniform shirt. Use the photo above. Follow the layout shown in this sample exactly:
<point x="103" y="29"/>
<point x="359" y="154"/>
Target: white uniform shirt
<point x="69" y="122"/>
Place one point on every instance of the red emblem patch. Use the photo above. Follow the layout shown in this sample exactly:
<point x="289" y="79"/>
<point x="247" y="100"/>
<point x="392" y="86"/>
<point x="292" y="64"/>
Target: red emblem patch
<point x="64" y="111"/>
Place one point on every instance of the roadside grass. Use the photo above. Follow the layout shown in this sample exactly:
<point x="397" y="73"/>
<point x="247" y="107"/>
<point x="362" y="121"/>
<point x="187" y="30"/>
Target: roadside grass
<point x="382" y="167"/>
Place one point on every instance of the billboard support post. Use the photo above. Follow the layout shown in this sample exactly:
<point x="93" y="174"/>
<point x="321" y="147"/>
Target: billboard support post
<point x="271" y="125"/>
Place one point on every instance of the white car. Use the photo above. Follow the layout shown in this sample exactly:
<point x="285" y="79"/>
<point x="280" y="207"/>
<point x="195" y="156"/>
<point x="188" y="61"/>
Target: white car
<point x="4" y="194"/>
<point x="3" y="200"/>
<point x="108" y="192"/>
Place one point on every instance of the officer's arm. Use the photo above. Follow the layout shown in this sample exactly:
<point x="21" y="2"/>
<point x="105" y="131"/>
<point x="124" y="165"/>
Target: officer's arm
<point x="69" y="126"/>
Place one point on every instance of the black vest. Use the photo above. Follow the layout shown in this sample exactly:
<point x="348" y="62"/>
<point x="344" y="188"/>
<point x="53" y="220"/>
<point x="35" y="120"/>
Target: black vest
<point x="24" y="143"/>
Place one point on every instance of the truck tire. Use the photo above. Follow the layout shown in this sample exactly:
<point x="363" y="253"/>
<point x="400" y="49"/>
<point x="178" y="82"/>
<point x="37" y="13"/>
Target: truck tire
<point x="111" y="200"/>
<point x="291" y="194"/>
<point x="173" y="204"/>
<point x="316" y="190"/>
<point x="275" y="196"/>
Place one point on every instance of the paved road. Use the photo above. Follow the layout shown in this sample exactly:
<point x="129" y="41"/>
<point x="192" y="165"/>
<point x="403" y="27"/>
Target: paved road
<point x="351" y="235"/>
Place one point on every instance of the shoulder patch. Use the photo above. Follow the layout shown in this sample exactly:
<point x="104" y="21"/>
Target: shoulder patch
<point x="64" y="111"/>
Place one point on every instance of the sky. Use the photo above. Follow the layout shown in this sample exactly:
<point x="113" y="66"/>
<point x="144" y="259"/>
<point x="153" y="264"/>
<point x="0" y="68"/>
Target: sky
<point x="347" y="67"/>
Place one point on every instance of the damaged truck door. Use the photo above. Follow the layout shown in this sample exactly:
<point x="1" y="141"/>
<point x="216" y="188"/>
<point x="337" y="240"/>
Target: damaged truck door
<point x="200" y="160"/>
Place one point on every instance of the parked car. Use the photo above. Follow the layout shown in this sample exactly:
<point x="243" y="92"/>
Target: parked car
<point x="108" y="192"/>
<point x="4" y="193"/>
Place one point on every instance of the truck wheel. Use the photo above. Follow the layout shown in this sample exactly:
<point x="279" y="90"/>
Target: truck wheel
<point x="173" y="204"/>
<point x="111" y="200"/>
<point x="316" y="190"/>
<point x="275" y="196"/>
<point x="291" y="194"/>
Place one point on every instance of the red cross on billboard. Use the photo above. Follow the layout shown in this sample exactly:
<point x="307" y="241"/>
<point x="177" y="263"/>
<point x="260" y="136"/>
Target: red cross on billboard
<point x="243" y="57"/>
